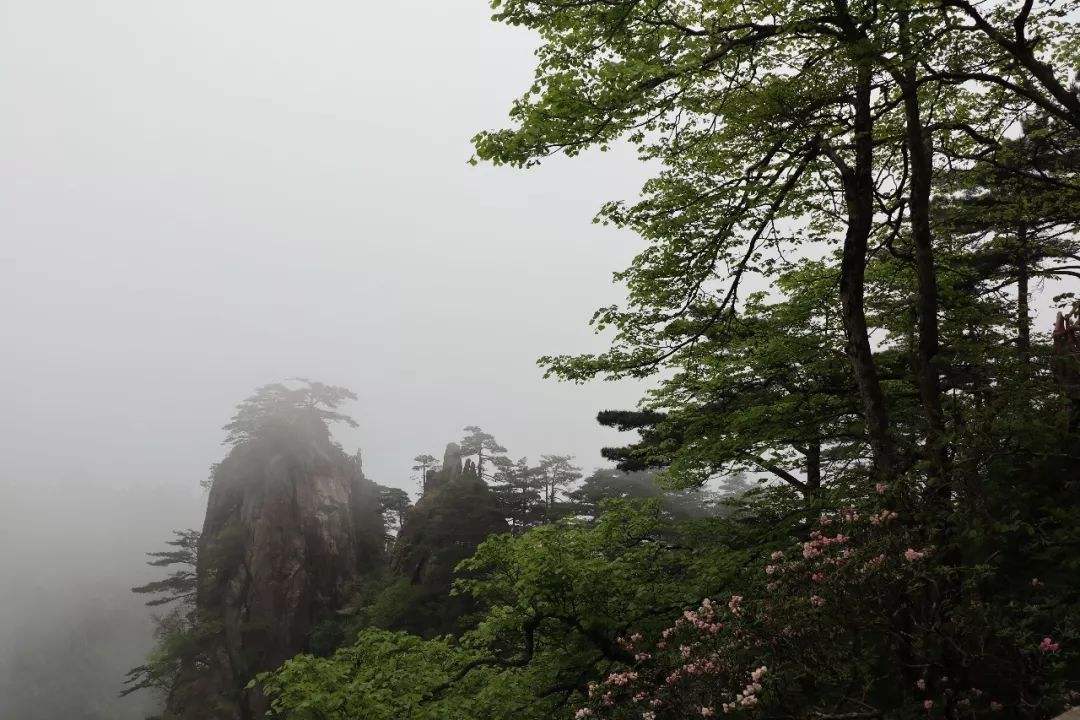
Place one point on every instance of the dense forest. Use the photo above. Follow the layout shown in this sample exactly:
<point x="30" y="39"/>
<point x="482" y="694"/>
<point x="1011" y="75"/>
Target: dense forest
<point x="852" y="489"/>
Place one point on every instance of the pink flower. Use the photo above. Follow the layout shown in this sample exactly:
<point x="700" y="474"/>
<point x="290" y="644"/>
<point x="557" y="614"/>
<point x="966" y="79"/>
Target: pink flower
<point x="880" y="488"/>
<point x="735" y="604"/>
<point x="911" y="555"/>
<point x="759" y="673"/>
<point x="995" y="706"/>
<point x="583" y="712"/>
<point x="707" y="711"/>
<point x="928" y="704"/>
<point x="818" y="577"/>
<point x="622" y="678"/>
<point x="1049" y="646"/>
<point x="778" y="555"/>
<point x="921" y="684"/>
<point x="817" y="600"/>
<point x="1036" y="583"/>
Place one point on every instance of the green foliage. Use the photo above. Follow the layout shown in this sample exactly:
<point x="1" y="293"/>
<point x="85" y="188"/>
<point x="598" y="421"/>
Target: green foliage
<point x="605" y="485"/>
<point x="517" y="488"/>
<point x="556" y="599"/>
<point x="278" y="405"/>
<point x="176" y="634"/>
<point x="387" y="675"/>
<point x="394" y="503"/>
<point x="863" y="162"/>
<point x="481" y="444"/>
<point x="179" y="585"/>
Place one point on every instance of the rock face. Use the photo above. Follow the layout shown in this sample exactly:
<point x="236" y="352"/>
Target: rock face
<point x="450" y="471"/>
<point x="291" y="525"/>
<point x="456" y="513"/>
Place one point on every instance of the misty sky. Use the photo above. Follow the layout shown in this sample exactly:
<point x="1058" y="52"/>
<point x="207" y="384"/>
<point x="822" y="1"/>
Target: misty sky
<point x="200" y="197"/>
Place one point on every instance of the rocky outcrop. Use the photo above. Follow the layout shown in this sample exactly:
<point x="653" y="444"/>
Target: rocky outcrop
<point x="455" y="514"/>
<point x="291" y="525"/>
<point x="450" y="470"/>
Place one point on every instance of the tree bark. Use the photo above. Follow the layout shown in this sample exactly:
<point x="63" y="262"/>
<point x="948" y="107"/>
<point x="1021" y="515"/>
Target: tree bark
<point x="813" y="468"/>
<point x="926" y="304"/>
<point x="858" y="182"/>
<point x="1023" y="309"/>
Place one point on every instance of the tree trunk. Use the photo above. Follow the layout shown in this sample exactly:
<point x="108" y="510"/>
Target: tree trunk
<point x="859" y="197"/>
<point x="926" y="304"/>
<point x="1023" y="310"/>
<point x="813" y="468"/>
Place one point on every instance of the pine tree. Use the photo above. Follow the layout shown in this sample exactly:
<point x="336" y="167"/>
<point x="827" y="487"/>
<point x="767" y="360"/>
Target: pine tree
<point x="517" y="487"/>
<point x="425" y="463"/>
<point x="556" y="473"/>
<point x="481" y="444"/>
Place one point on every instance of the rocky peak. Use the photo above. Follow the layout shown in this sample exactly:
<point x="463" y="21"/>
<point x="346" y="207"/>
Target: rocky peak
<point x="451" y="468"/>
<point x="291" y="524"/>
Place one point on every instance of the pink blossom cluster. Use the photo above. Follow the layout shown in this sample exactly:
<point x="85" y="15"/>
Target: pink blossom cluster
<point x="913" y="555"/>
<point x="704" y="618"/>
<point x="818" y="542"/>
<point x="620" y="679"/>
<point x="694" y="646"/>
<point x="630" y="643"/>
<point x="1049" y="646"/>
<point x="849" y="514"/>
<point x="883" y="518"/>
<point x="748" y="696"/>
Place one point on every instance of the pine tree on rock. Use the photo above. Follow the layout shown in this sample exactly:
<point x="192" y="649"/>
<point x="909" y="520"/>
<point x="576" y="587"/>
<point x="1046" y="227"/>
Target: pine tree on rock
<point x="481" y="444"/>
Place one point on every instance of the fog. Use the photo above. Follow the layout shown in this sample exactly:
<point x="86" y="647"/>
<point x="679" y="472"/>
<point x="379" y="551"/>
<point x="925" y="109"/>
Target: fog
<point x="197" y="198"/>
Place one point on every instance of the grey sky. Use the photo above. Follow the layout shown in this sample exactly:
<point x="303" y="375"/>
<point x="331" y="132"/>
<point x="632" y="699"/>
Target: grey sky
<point x="200" y="197"/>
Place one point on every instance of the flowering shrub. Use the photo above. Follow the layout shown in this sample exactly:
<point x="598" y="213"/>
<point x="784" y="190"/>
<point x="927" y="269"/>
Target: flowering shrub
<point x="861" y="615"/>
